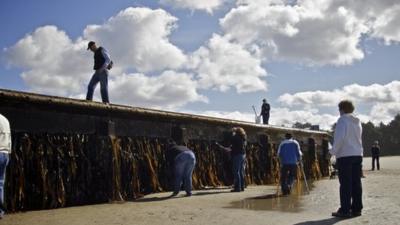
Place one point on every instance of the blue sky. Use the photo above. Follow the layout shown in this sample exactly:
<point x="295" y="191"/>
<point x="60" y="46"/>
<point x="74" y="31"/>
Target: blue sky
<point x="212" y="57"/>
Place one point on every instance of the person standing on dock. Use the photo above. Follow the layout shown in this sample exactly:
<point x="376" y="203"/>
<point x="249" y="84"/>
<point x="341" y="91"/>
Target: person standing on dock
<point x="289" y="154"/>
<point x="375" y="152"/>
<point x="102" y="63"/>
<point x="348" y="150"/>
<point x="265" y="108"/>
<point x="5" y="150"/>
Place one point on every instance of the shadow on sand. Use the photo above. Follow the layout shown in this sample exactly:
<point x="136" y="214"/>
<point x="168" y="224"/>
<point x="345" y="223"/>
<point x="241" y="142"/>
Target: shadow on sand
<point x="329" y="221"/>
<point x="199" y="193"/>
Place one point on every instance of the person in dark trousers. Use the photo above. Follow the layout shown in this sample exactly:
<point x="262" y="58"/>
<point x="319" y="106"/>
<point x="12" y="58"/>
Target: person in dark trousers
<point x="348" y="150"/>
<point x="182" y="161"/>
<point x="265" y="108"/>
<point x="375" y="152"/>
<point x="102" y="63"/>
<point x="237" y="151"/>
<point x="289" y="154"/>
<point x="5" y="151"/>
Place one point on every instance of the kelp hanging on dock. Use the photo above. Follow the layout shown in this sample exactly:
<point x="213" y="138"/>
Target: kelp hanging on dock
<point x="58" y="170"/>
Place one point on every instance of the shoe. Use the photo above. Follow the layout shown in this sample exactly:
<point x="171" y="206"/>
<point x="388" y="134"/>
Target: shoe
<point x="355" y="214"/>
<point x="341" y="214"/>
<point x="189" y="194"/>
<point x="174" y="194"/>
<point x="234" y="190"/>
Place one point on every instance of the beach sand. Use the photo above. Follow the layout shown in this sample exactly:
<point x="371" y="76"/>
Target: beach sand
<point x="257" y="205"/>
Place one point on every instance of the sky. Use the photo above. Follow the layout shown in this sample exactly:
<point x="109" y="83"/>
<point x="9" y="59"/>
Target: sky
<point x="212" y="57"/>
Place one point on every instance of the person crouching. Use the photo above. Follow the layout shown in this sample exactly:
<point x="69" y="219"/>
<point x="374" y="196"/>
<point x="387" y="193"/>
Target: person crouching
<point x="181" y="160"/>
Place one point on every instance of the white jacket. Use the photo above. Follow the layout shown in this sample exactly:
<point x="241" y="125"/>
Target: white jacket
<point x="347" y="137"/>
<point x="5" y="135"/>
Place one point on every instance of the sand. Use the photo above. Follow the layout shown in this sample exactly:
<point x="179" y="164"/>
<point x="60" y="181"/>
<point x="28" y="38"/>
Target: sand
<point x="257" y="205"/>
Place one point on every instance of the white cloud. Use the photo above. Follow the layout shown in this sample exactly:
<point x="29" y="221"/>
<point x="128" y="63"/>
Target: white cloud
<point x="222" y="65"/>
<point x="288" y="117"/>
<point x="375" y="93"/>
<point x="233" y="115"/>
<point x="169" y="91"/>
<point x="382" y="98"/>
<point x="135" y="38"/>
<point x="138" y="38"/>
<point x="387" y="25"/>
<point x="279" y="117"/>
<point x="206" y="5"/>
<point x="307" y="33"/>
<point x="384" y="112"/>
<point x="52" y="63"/>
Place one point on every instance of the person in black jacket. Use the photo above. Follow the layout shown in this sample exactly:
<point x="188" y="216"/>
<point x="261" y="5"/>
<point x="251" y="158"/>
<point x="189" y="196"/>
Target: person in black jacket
<point x="102" y="63"/>
<point x="265" y="108"/>
<point x="237" y="152"/>
<point x="375" y="152"/>
<point x="182" y="161"/>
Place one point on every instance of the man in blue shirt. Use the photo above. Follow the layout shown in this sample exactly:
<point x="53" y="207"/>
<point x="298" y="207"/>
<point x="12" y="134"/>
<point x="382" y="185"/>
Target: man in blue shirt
<point x="289" y="154"/>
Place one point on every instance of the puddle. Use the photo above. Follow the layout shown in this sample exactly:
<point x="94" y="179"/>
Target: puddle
<point x="273" y="202"/>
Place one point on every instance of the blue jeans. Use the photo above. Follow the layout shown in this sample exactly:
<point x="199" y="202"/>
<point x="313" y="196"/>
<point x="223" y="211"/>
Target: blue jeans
<point x="350" y="183"/>
<point x="288" y="174"/>
<point x="184" y="165"/>
<point x="102" y="77"/>
<point x="4" y="158"/>
<point x="238" y="162"/>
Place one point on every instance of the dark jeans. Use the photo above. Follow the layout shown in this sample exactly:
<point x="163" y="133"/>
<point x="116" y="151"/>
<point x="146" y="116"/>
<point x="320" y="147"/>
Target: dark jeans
<point x="184" y="165"/>
<point x="102" y="77"/>
<point x="265" y="119"/>
<point x="288" y="174"/>
<point x="238" y="163"/>
<point x="375" y="158"/>
<point x="350" y="183"/>
<point x="4" y="159"/>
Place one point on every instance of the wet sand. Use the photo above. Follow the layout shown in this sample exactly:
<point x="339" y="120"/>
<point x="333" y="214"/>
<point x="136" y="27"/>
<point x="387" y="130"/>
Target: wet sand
<point x="257" y="205"/>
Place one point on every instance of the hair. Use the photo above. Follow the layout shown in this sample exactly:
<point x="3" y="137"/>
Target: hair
<point x="288" y="135"/>
<point x="346" y="106"/>
<point x="240" y="131"/>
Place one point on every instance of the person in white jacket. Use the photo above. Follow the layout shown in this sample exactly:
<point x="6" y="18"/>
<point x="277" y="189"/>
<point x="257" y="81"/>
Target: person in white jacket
<point x="5" y="150"/>
<point x="348" y="150"/>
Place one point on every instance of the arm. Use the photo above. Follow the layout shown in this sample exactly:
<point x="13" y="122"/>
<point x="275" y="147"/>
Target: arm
<point x="106" y="57"/>
<point x="221" y="147"/>
<point x="299" y="153"/>
<point x="338" y="138"/>
<point x="279" y="150"/>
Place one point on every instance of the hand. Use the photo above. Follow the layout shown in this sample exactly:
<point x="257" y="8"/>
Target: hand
<point x="110" y="65"/>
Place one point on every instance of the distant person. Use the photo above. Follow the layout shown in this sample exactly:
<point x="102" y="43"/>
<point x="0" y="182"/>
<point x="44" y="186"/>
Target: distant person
<point x="182" y="161"/>
<point x="289" y="154"/>
<point x="265" y="108"/>
<point x="347" y="148"/>
<point x="237" y="151"/>
<point x="102" y="63"/>
<point x="5" y="150"/>
<point x="375" y="152"/>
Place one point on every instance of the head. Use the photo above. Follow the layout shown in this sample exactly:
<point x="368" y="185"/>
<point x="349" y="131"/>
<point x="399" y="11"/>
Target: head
<point x="376" y="142"/>
<point x="288" y="136"/>
<point x="239" y="131"/>
<point x="92" y="46"/>
<point x="346" y="107"/>
<point x="264" y="100"/>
